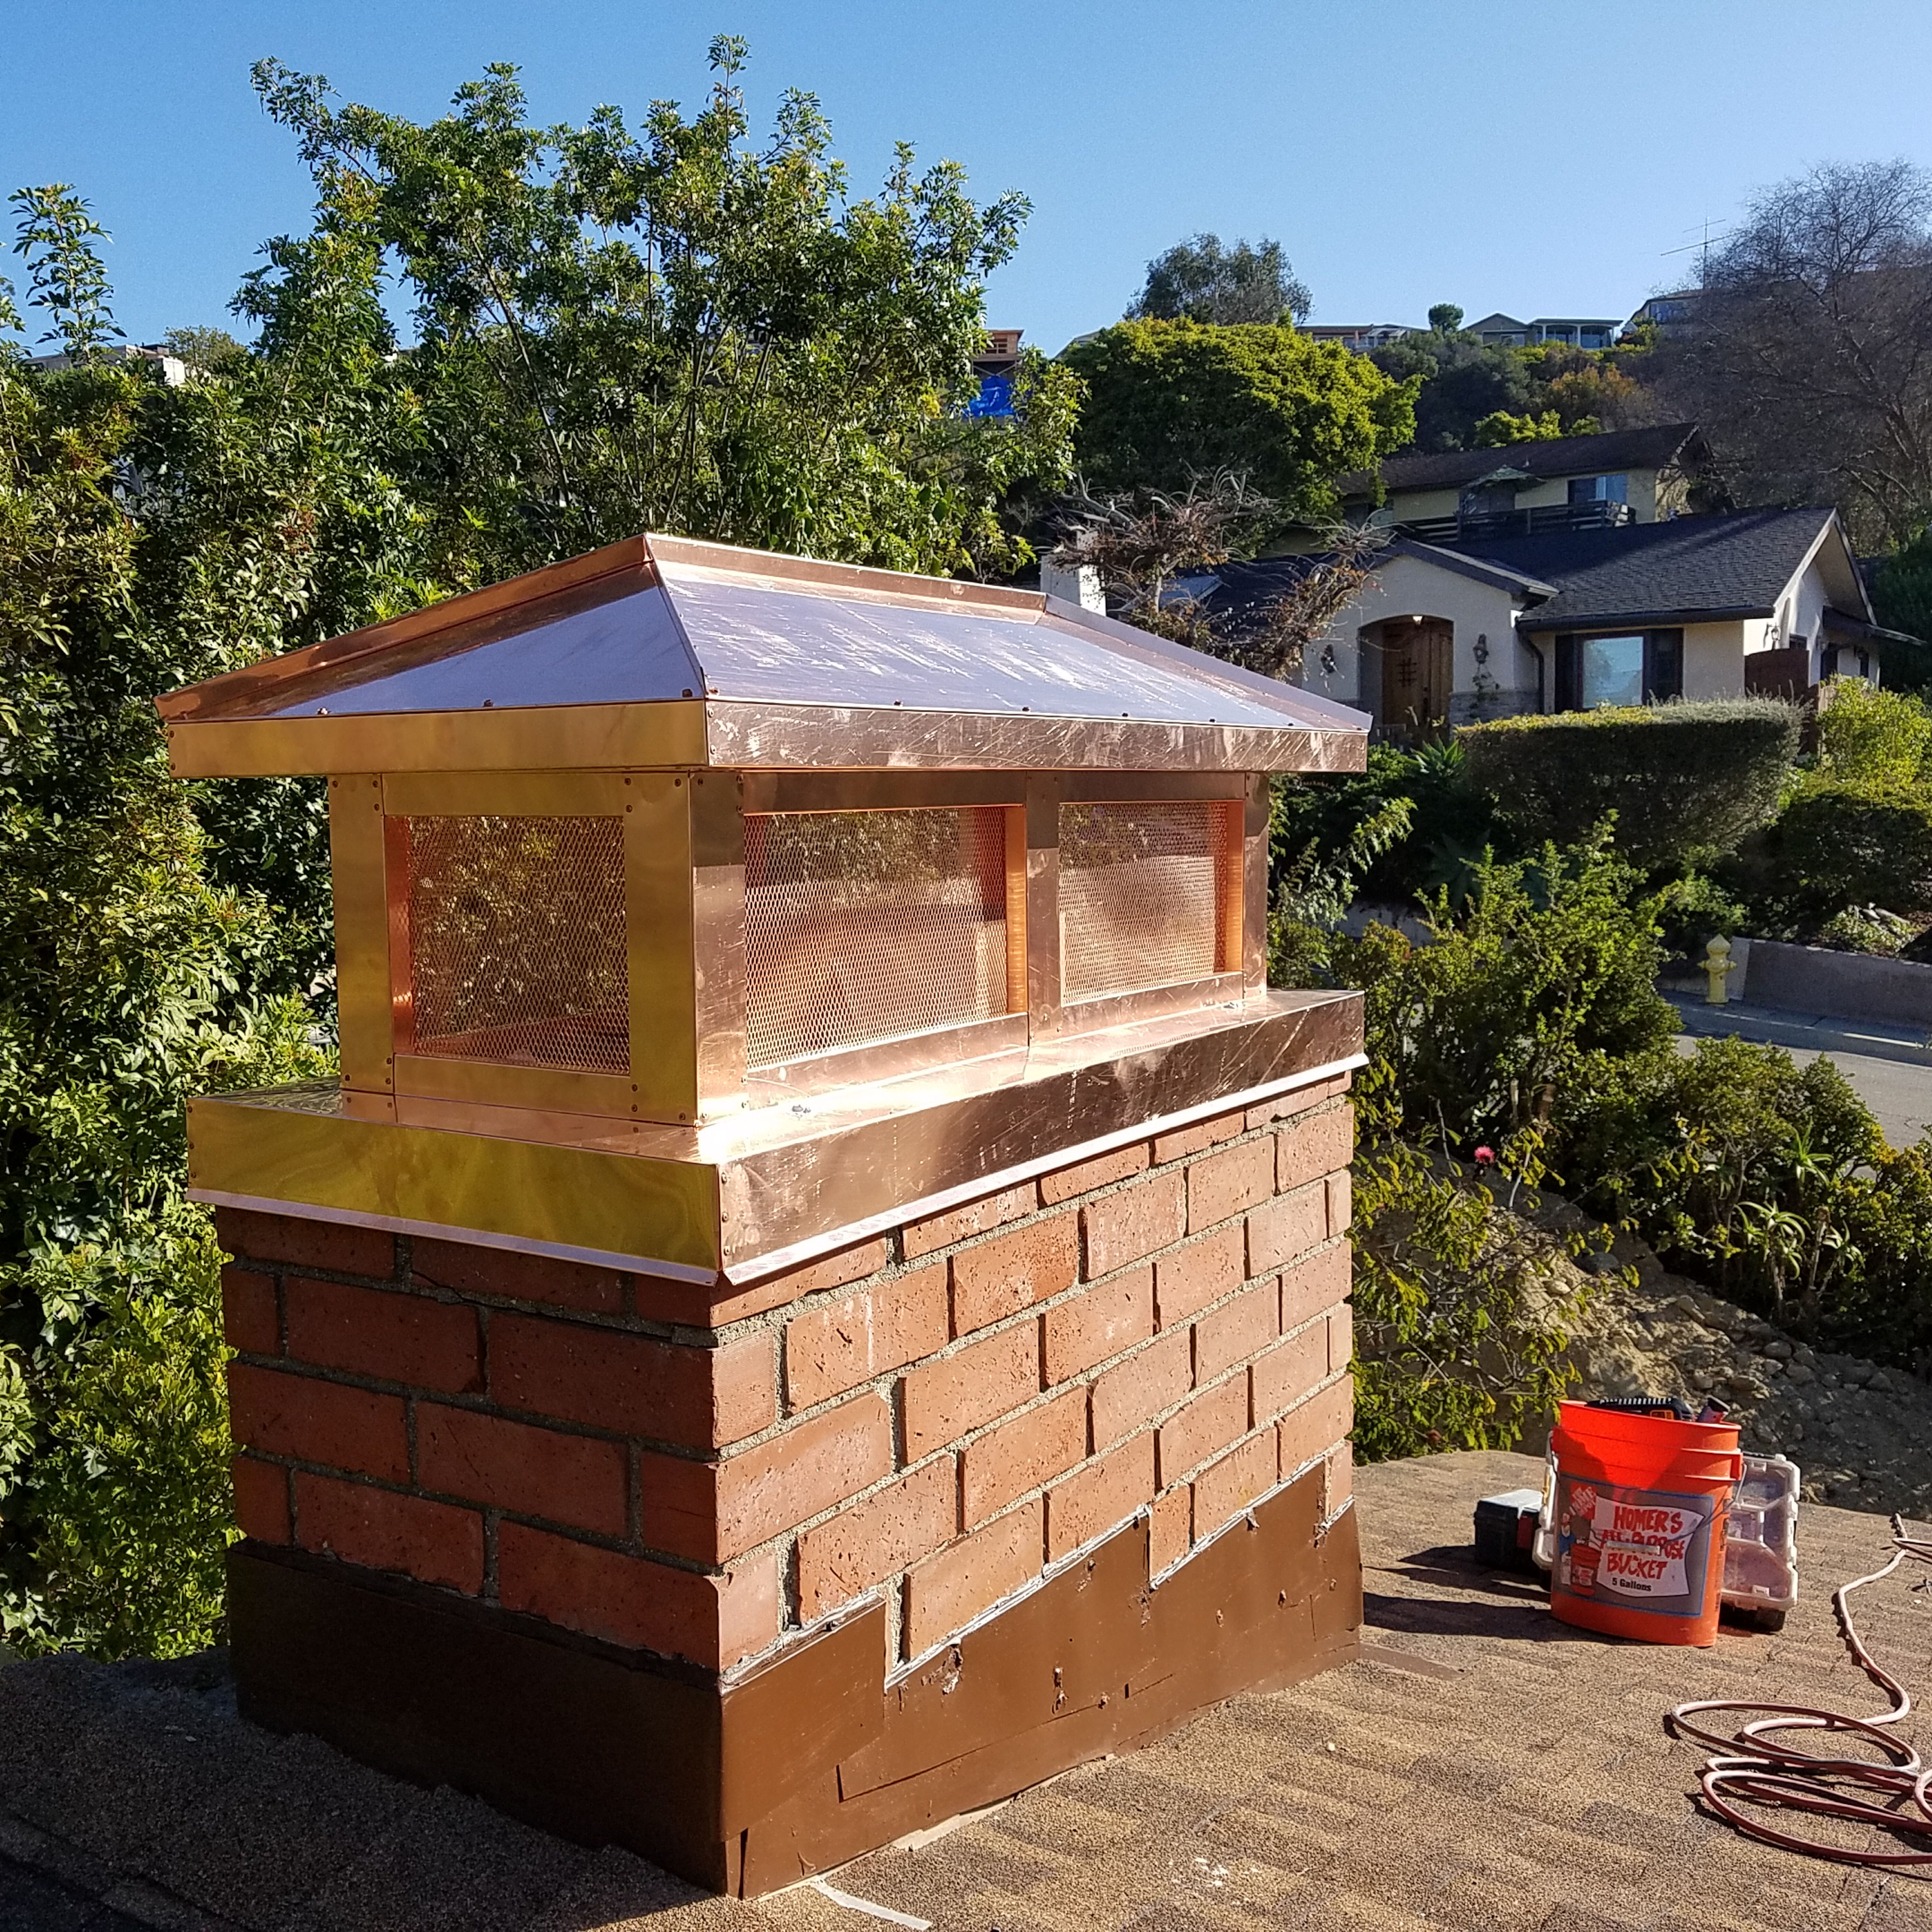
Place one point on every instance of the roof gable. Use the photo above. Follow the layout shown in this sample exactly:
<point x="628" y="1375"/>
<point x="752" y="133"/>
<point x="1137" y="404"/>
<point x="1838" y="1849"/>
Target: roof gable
<point x="1549" y="458"/>
<point x="1686" y="570"/>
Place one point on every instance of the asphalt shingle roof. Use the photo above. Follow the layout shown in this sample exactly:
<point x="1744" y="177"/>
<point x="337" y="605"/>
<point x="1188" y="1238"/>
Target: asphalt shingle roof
<point x="1689" y="569"/>
<point x="1483" y="1766"/>
<point x="1556" y="456"/>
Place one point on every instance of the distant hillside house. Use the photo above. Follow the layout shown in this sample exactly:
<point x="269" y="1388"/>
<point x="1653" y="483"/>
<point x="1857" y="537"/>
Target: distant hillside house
<point x="1696" y="606"/>
<point x="1362" y="336"/>
<point x="995" y="366"/>
<point x="1670" y="314"/>
<point x="1592" y="331"/>
<point x="1532" y="489"/>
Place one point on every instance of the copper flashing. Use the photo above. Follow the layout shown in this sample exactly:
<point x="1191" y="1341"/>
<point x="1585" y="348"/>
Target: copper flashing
<point x="751" y="1193"/>
<point x="750" y="1784"/>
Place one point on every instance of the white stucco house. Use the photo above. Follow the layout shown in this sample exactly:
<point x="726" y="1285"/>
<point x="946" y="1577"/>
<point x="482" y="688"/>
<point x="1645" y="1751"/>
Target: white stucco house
<point x="1693" y="607"/>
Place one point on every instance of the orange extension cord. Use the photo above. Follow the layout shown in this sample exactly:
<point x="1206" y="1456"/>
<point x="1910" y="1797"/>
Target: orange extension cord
<point x="1749" y="1769"/>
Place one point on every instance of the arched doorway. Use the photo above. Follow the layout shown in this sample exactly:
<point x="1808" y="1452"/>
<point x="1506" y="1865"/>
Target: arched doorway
<point x="1418" y="666"/>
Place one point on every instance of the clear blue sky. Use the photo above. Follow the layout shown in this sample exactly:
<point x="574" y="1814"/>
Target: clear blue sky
<point x="1536" y="157"/>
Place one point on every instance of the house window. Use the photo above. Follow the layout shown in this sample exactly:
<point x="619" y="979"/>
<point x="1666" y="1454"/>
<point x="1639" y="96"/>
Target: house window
<point x="1600" y="489"/>
<point x="1635" y="667"/>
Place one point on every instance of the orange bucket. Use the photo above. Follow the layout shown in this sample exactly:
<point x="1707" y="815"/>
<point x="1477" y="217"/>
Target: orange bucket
<point x="1641" y="1501"/>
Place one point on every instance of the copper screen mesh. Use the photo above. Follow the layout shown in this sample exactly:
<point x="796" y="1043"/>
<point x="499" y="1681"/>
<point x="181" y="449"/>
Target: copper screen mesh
<point x="517" y="951"/>
<point x="868" y="925"/>
<point x="1140" y="896"/>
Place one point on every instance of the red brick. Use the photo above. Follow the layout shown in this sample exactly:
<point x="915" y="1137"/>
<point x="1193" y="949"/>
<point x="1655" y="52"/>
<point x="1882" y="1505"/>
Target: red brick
<point x="388" y="1337"/>
<point x="1317" y="1425"/>
<point x="678" y="1504"/>
<point x="1299" y="1101"/>
<point x="1215" y="1420"/>
<point x="1224" y="1488"/>
<point x="1229" y="1183"/>
<point x="1127" y="1227"/>
<point x="312" y="1420"/>
<point x="1098" y="1324"/>
<point x="716" y="1304"/>
<point x="945" y="1399"/>
<point x="1000" y="1466"/>
<point x="1285" y="1374"/>
<point x="1341" y="1202"/>
<point x="250" y="1323"/>
<point x="834" y="1270"/>
<point x="1098" y="1495"/>
<point x="634" y="1384"/>
<point x="466" y="1267"/>
<point x="1285" y="1228"/>
<point x="1139" y="1388"/>
<point x="1235" y="1332"/>
<point x="948" y="1591"/>
<point x="383" y="1529"/>
<point x="485" y="1459"/>
<point x="1170" y="1529"/>
<point x="805" y="1468"/>
<point x="1317" y="1283"/>
<point x="1341" y="1338"/>
<point x="1196" y="1139"/>
<point x="1188" y="1279"/>
<point x="1321" y="1143"/>
<point x="1102" y="1171"/>
<point x="835" y="1346"/>
<point x="961" y="1224"/>
<point x="1338" y="1471"/>
<point x="712" y="1621"/>
<point x="1000" y="1277"/>
<point x="295" y="1241"/>
<point x="261" y="1500"/>
<point x="875" y="1538"/>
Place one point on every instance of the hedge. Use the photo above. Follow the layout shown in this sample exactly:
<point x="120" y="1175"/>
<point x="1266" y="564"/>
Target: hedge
<point x="1837" y="845"/>
<point x="1687" y="776"/>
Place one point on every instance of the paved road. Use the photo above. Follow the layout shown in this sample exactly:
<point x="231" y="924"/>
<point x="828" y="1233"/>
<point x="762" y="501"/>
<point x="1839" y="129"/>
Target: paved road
<point x="1889" y="1067"/>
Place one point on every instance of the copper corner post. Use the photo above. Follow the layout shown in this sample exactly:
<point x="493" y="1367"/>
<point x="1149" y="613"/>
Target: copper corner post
<point x="768" y="932"/>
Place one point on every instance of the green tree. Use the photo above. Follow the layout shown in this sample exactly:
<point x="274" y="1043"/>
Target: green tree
<point x="1169" y="402"/>
<point x="1199" y="279"/>
<point x="1498" y="431"/>
<point x="1445" y="318"/>
<point x="674" y="329"/>
<point x="128" y="978"/>
<point x="1902" y="594"/>
<point x="611" y="332"/>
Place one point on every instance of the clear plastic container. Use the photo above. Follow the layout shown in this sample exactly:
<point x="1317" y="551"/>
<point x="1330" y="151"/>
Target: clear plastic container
<point x="1761" y="1541"/>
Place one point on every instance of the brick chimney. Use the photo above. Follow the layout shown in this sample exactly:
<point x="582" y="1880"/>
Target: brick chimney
<point x="821" y="1297"/>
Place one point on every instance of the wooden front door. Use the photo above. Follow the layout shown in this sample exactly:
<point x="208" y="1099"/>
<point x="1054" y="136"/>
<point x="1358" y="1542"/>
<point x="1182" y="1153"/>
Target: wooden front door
<point x="1417" y="660"/>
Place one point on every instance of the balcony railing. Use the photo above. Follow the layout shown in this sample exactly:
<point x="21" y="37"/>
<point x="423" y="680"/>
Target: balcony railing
<point x="1540" y="521"/>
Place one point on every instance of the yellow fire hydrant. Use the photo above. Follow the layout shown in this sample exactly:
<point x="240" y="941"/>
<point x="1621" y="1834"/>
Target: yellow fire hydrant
<point x="1718" y="964"/>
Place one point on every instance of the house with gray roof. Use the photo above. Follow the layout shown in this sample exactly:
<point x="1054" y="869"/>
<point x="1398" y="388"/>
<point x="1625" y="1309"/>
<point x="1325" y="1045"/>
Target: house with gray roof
<point x="1694" y="607"/>
<point x="1532" y="489"/>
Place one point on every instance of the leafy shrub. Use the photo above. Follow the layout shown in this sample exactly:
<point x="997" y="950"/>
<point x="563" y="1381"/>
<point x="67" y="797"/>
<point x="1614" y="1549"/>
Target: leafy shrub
<point x="1515" y="1021"/>
<point x="1773" y="1182"/>
<point x="1837" y="845"/>
<point x="124" y="1511"/>
<point x="1872" y="737"/>
<point x="1682" y="778"/>
<point x="1448" y="824"/>
<point x="1459" y="1317"/>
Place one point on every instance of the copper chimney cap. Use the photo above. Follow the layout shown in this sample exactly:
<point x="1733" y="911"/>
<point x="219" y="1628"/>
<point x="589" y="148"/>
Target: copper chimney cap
<point x="661" y="651"/>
